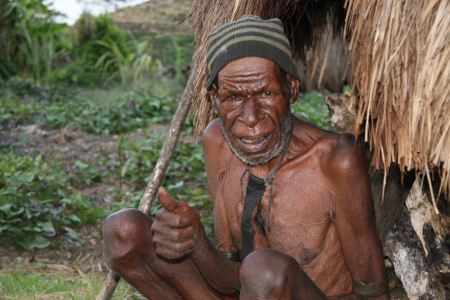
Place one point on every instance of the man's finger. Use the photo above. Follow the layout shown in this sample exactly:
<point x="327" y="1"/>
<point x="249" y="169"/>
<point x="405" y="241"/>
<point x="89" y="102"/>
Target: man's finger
<point x="169" y="204"/>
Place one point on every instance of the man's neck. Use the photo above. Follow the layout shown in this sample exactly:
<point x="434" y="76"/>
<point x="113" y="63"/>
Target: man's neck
<point x="262" y="170"/>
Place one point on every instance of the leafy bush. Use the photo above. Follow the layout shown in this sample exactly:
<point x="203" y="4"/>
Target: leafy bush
<point x="37" y="205"/>
<point x="171" y="50"/>
<point x="31" y="40"/>
<point x="93" y="39"/>
<point x="312" y="107"/>
<point x="130" y="67"/>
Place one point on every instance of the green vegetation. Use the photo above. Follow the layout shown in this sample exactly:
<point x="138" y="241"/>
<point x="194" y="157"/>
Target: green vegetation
<point x="57" y="107"/>
<point x="31" y="41"/>
<point x="91" y="53"/>
<point x="311" y="107"/>
<point x="21" y="285"/>
<point x="36" y="205"/>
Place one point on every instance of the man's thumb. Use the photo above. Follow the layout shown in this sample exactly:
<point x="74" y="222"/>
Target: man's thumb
<point x="166" y="201"/>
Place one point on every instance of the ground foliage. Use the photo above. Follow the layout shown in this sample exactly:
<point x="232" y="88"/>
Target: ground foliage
<point x="37" y="205"/>
<point x="56" y="106"/>
<point x="37" y="202"/>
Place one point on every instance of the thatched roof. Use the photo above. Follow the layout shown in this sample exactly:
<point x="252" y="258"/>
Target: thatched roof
<point x="400" y="51"/>
<point x="400" y="55"/>
<point x="304" y="20"/>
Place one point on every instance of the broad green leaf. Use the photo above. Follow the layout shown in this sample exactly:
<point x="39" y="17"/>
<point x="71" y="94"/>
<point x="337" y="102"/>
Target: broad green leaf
<point x="74" y="218"/>
<point x="11" y="190"/>
<point x="198" y="192"/>
<point x="73" y="235"/>
<point x="81" y="164"/>
<point x="30" y="243"/>
<point x="4" y="227"/>
<point x="15" y="181"/>
<point x="40" y="242"/>
<point x="6" y="208"/>
<point x="27" y="177"/>
<point x="46" y="226"/>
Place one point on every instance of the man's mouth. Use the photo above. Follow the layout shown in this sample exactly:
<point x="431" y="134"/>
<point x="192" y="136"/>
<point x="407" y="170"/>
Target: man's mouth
<point x="255" y="140"/>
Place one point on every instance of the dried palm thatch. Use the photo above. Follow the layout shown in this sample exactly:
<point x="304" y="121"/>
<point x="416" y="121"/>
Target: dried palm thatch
<point x="304" y="21"/>
<point x="400" y="51"/>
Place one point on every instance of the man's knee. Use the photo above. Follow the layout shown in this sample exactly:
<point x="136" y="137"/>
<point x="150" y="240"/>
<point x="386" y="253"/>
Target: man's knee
<point x="268" y="272"/>
<point x="125" y="233"/>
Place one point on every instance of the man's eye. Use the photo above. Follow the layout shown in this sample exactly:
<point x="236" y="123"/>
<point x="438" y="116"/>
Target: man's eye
<point x="267" y="94"/>
<point x="233" y="97"/>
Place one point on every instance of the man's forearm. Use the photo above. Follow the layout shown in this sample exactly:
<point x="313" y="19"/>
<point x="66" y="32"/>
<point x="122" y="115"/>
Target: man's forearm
<point x="220" y="272"/>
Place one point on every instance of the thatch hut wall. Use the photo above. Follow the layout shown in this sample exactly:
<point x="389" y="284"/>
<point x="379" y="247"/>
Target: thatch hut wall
<point x="400" y="51"/>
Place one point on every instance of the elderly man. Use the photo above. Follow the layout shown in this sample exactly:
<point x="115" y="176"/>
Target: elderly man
<point x="293" y="214"/>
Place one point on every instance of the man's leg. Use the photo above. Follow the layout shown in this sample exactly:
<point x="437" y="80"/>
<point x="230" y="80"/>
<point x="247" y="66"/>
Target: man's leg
<point x="129" y="251"/>
<point x="271" y="274"/>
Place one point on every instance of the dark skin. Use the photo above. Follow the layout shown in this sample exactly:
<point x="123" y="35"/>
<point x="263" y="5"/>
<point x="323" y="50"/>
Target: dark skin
<point x="322" y="233"/>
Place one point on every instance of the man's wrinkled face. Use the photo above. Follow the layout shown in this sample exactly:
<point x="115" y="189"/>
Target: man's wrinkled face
<point x="253" y="107"/>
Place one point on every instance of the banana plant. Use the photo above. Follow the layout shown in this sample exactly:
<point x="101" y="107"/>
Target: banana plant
<point x="34" y="40"/>
<point x="129" y="67"/>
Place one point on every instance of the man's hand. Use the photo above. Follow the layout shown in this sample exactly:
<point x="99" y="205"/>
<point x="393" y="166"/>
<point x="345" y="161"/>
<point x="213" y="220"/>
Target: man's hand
<point x="177" y="230"/>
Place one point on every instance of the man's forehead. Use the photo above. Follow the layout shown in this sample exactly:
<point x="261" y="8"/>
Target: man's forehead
<point x="253" y="66"/>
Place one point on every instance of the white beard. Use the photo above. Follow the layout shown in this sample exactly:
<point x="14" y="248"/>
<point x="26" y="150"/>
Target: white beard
<point x="286" y="127"/>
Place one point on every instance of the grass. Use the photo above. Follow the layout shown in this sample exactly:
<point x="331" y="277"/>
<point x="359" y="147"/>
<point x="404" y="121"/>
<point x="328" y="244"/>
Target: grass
<point x="23" y="285"/>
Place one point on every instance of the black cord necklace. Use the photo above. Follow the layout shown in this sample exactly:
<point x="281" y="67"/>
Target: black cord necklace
<point x="255" y="190"/>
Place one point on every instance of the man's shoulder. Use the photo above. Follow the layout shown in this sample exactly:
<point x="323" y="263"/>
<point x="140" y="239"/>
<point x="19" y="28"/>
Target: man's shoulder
<point x="338" y="152"/>
<point x="215" y="146"/>
<point x="212" y="136"/>
<point x="346" y="156"/>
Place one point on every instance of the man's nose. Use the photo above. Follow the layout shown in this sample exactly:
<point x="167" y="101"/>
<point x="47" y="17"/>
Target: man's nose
<point x="251" y="112"/>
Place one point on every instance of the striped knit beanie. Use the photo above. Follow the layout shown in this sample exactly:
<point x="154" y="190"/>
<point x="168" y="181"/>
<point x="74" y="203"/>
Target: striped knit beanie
<point x="249" y="36"/>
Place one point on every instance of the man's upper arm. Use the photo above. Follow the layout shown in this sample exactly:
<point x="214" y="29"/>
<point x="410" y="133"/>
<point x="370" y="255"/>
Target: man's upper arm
<point x="213" y="147"/>
<point x="353" y="214"/>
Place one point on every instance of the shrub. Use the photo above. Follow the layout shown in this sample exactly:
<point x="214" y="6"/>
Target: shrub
<point x="31" y="40"/>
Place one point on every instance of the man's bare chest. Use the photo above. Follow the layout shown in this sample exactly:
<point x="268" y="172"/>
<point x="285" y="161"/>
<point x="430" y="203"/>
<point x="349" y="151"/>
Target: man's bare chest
<point x="293" y="214"/>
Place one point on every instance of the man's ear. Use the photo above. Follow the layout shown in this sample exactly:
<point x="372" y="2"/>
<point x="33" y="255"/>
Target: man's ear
<point x="295" y="88"/>
<point x="213" y="97"/>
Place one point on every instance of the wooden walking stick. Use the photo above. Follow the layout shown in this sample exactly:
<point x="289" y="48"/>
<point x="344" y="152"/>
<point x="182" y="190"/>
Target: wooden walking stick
<point x="160" y="170"/>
